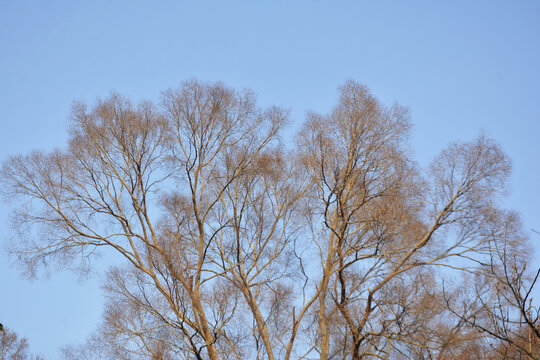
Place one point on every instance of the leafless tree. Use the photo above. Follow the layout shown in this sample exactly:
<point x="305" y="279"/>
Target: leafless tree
<point x="13" y="347"/>
<point x="122" y="162"/>
<point x="380" y="219"/>
<point x="501" y="305"/>
<point x="236" y="247"/>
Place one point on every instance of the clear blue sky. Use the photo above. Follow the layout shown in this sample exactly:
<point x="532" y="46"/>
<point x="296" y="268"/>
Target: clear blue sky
<point x="460" y="66"/>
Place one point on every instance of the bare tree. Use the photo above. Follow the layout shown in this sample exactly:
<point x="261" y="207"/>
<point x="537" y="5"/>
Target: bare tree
<point x="13" y="347"/>
<point x="106" y="189"/>
<point x="236" y="247"/>
<point x="380" y="220"/>
<point x="501" y="305"/>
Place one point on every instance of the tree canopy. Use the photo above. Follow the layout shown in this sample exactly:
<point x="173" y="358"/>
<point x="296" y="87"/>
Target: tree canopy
<point x="238" y="246"/>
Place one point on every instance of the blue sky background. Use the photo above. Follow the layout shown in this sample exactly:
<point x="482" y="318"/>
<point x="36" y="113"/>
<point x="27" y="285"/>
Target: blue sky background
<point x="460" y="66"/>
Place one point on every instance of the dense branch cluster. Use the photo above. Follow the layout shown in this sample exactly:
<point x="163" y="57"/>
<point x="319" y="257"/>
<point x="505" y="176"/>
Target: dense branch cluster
<point x="238" y="247"/>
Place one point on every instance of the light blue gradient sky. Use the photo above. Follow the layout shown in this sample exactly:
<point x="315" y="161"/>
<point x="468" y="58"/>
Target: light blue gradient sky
<point x="460" y="66"/>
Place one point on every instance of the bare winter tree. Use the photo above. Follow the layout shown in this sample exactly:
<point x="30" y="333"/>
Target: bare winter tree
<point x="374" y="219"/>
<point x="13" y="347"/>
<point x="123" y="163"/>
<point x="501" y="304"/>
<point x="235" y="247"/>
